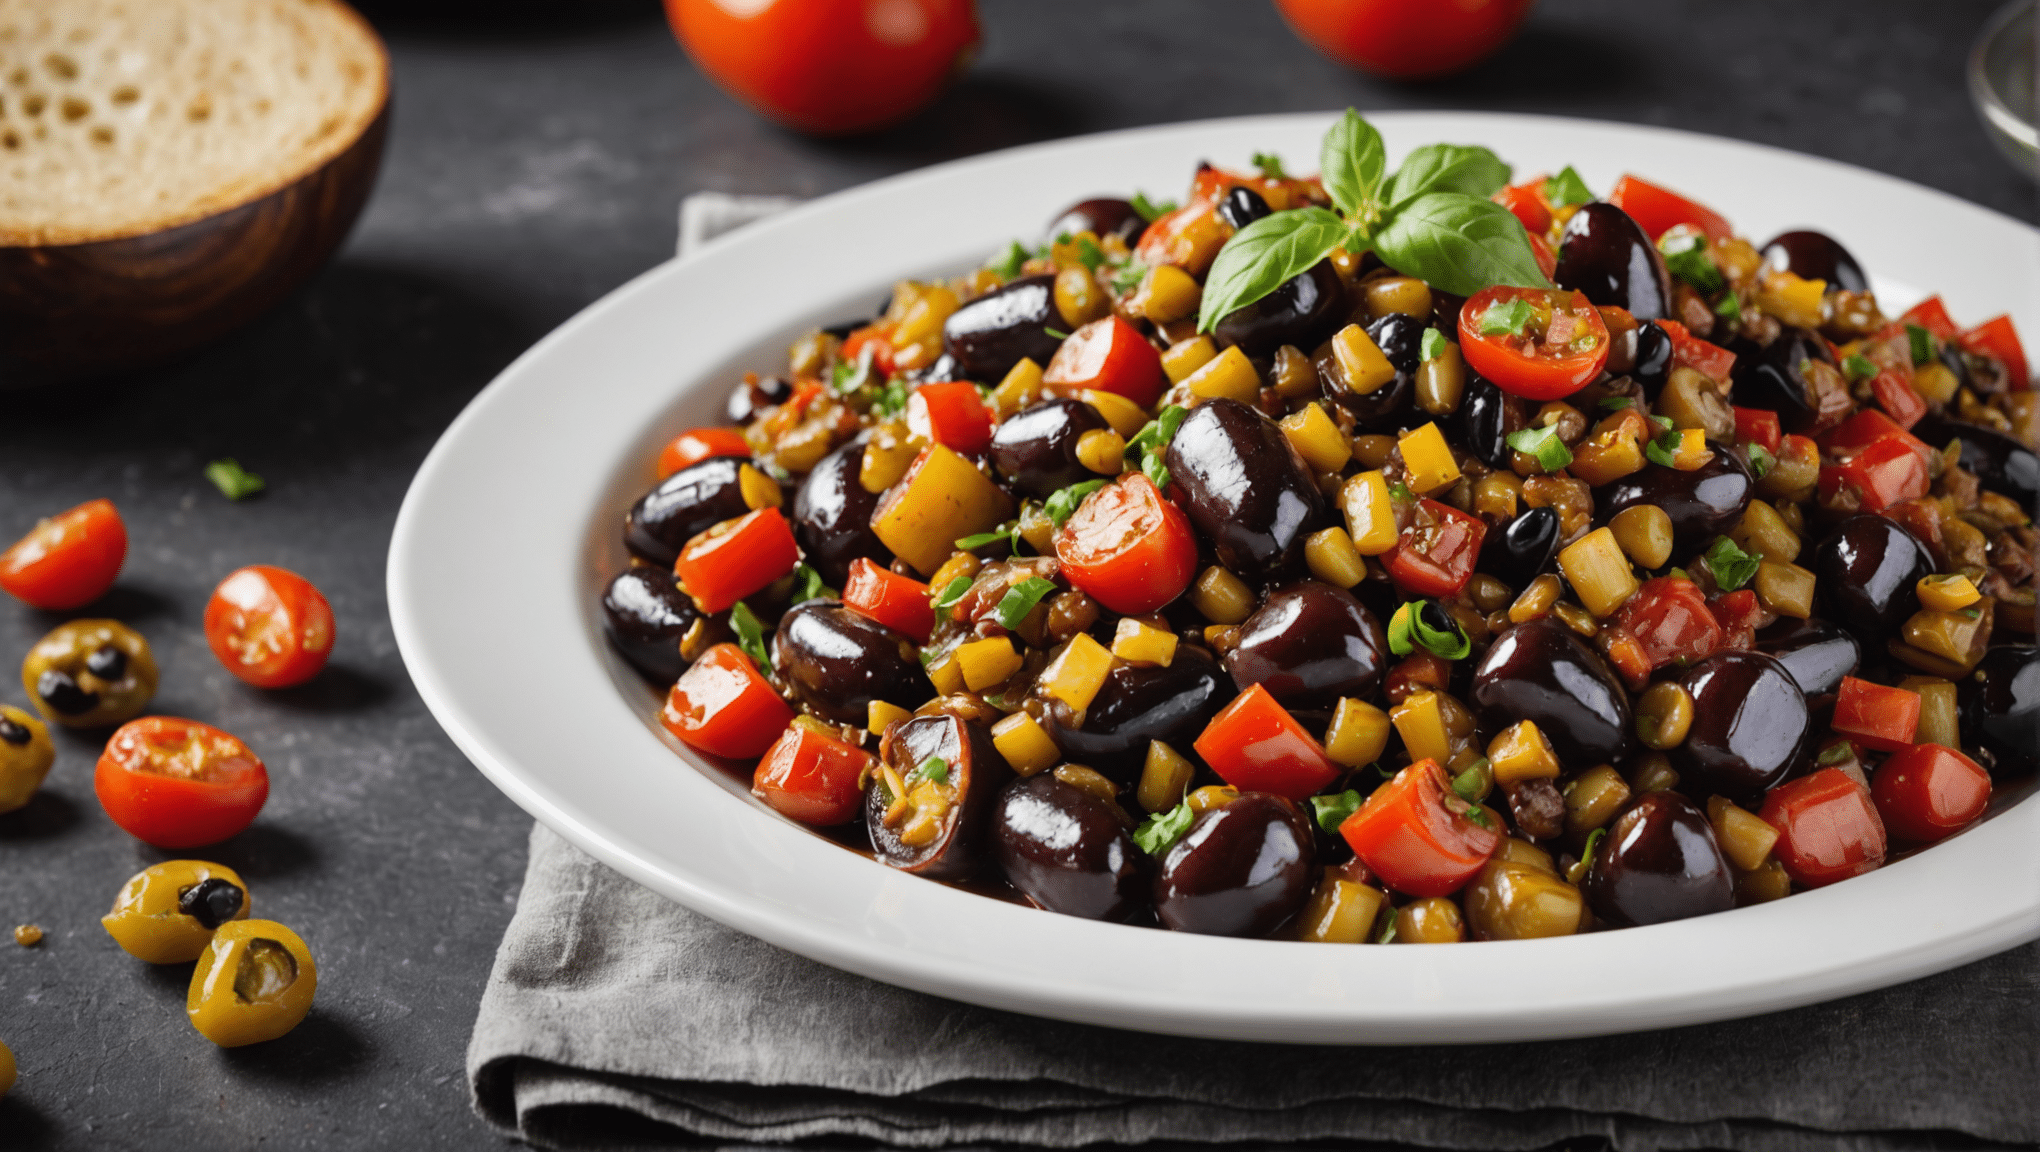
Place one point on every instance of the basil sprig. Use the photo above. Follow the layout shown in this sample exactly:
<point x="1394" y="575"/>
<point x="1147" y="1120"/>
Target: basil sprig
<point x="1732" y="567"/>
<point x="1431" y="220"/>
<point x="1020" y="599"/>
<point x="1160" y="831"/>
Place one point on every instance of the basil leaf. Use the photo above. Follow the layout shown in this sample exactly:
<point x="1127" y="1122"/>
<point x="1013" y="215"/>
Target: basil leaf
<point x="1007" y="263"/>
<point x="1156" y="433"/>
<point x="1351" y="164"/>
<point x="1264" y="254"/>
<point x="1089" y="254"/>
<point x="1020" y="599"/>
<point x="1732" y="567"/>
<point x="807" y="585"/>
<point x="1922" y="342"/>
<point x="1151" y="210"/>
<point x="1761" y="460"/>
<point x="1438" y="632"/>
<point x="1615" y="403"/>
<point x="890" y="401"/>
<point x="1467" y="168"/>
<point x="1508" y="318"/>
<point x="1270" y="165"/>
<point x="1156" y="471"/>
<point x="750" y="634"/>
<point x="1686" y="257"/>
<point x="1161" y="831"/>
<point x="1566" y="188"/>
<point x="1400" y="640"/>
<point x="1434" y="344"/>
<point x="1458" y="243"/>
<point x="1729" y="306"/>
<point x="950" y="594"/>
<point x="1544" y="444"/>
<point x="233" y="481"/>
<point x="1332" y="810"/>
<point x="1063" y="504"/>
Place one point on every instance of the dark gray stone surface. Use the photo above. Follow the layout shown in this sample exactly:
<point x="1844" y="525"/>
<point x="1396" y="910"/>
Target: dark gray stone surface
<point x="537" y="154"/>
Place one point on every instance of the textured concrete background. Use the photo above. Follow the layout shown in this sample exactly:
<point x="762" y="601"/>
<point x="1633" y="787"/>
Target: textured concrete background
<point x="537" y="154"/>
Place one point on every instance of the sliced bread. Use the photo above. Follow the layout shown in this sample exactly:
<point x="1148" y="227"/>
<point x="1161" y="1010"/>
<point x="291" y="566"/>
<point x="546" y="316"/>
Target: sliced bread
<point x="125" y="117"/>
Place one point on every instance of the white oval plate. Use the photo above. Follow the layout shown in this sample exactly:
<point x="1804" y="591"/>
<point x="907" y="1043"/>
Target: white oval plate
<point x="510" y="531"/>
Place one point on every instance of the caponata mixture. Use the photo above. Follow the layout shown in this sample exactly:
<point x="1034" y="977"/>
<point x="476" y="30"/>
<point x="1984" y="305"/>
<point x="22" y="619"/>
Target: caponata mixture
<point x="1379" y="556"/>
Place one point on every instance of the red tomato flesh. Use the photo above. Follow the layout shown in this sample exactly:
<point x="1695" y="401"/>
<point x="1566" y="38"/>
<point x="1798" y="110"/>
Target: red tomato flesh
<point x="1435" y="555"/>
<point x="1997" y="337"/>
<point x="1828" y="828"/>
<point x="1128" y="548"/>
<point x="1401" y="40"/>
<point x="698" y="444"/>
<point x="269" y="626"/>
<point x="812" y="777"/>
<point x="1559" y="349"/>
<point x="179" y="783"/>
<point x="1416" y="840"/>
<point x="1111" y="356"/>
<point x="898" y="602"/>
<point x="724" y="707"/>
<point x="1758" y="426"/>
<point x="1527" y="202"/>
<point x="1670" y="619"/>
<point x="1886" y="472"/>
<point x="1926" y="791"/>
<point x="68" y="560"/>
<point x="1255" y="745"/>
<point x="952" y="414"/>
<point x="736" y="558"/>
<point x="1932" y="315"/>
<point x="1876" y="716"/>
<point x="1702" y="356"/>
<point x="1659" y="210"/>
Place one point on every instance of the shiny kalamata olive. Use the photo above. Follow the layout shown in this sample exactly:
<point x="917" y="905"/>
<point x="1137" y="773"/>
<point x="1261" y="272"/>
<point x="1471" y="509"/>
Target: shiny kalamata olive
<point x="1703" y="503"/>
<point x="1605" y="254"/>
<point x="1242" y="206"/>
<point x="1242" y="870"/>
<point x="1003" y="327"/>
<point x="1067" y="851"/>
<point x="832" y="516"/>
<point x="1486" y="418"/>
<point x="1999" y="461"/>
<point x="1815" y="652"/>
<point x="2000" y="708"/>
<point x="689" y="502"/>
<point x="1037" y="449"/>
<point x="1813" y="255"/>
<point x="646" y="615"/>
<point x="837" y="661"/>
<point x="1522" y="548"/>
<point x="1660" y="862"/>
<point x="1771" y="376"/>
<point x="1303" y="310"/>
<point x="1865" y="572"/>
<point x="1310" y="643"/>
<point x="1137" y="704"/>
<point x="1101" y="217"/>
<point x="1246" y="490"/>
<point x="960" y="805"/>
<point x="1749" y="717"/>
<point x="751" y="397"/>
<point x="1653" y="359"/>
<point x="1543" y="671"/>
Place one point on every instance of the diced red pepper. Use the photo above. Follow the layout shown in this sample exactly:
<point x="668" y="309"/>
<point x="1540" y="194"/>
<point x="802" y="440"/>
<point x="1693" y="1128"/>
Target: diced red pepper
<point x="1997" y="337"/>
<point x="1758" y="426"/>
<point x="1875" y="716"/>
<point x="1867" y="427"/>
<point x="698" y="444"/>
<point x="812" y="777"/>
<point x="1109" y="355"/>
<point x="877" y="339"/>
<point x="1527" y="202"/>
<point x="1926" y="792"/>
<point x="1740" y="615"/>
<point x="898" y="602"/>
<point x="1255" y="745"/>
<point x="1189" y="238"/>
<point x="736" y="558"/>
<point x="1885" y="473"/>
<point x="1828" y="828"/>
<point x="1690" y="351"/>
<point x="1895" y="394"/>
<point x="1932" y="315"/>
<point x="952" y="414"/>
<point x="1415" y="839"/>
<point x="1671" y="621"/>
<point x="724" y="707"/>
<point x="1435" y="555"/>
<point x="1659" y="210"/>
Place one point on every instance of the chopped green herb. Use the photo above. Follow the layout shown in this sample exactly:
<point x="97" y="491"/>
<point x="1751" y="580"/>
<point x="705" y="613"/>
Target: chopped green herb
<point x="1063" y="504"/>
<point x="1858" y="367"/>
<point x="1156" y="471"/>
<point x="1544" y="444"/>
<point x="890" y="401"/>
<point x="1664" y="448"/>
<point x="1020" y="599"/>
<point x="1401" y="492"/>
<point x="950" y="594"/>
<point x="1434" y="344"/>
<point x="1270" y="165"/>
<point x="933" y="768"/>
<point x="1156" y="433"/>
<point x="750" y="634"/>
<point x="1056" y="332"/>
<point x="1566" y="188"/>
<point x="1729" y="306"/>
<point x="1507" y="318"/>
<point x="808" y="585"/>
<point x="1922" y="342"/>
<point x="1664" y="422"/>
<point x="1062" y="237"/>
<point x="233" y="481"/>
<point x="1761" y="460"/>
<point x="1007" y="263"/>
<point x="1089" y="254"/>
<point x="1594" y="839"/>
<point x="1616" y="403"/>
<point x="1478" y="815"/>
<point x="1836" y="753"/>
<point x="1467" y="784"/>
<point x="1388" y="933"/>
<point x="1151" y="210"/>
<point x="1333" y="810"/>
<point x="1129" y="275"/>
<point x="1732" y="567"/>
<point x="1970" y="613"/>
<point x="1160" y="831"/>
<point x="1686" y="257"/>
<point x="973" y="543"/>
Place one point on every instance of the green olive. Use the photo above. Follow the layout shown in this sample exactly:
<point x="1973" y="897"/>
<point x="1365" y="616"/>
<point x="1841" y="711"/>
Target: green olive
<point x="25" y="756"/>
<point x="90" y="674"/>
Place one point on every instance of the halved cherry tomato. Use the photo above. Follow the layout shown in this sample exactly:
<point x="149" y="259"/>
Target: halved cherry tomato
<point x="952" y="414"/>
<point x="1876" y="716"/>
<point x="1702" y="356"/>
<point x="179" y="783"/>
<point x="1828" y="829"/>
<point x="1894" y="392"/>
<point x="698" y="444"/>
<point x="898" y="602"/>
<point x="1758" y="426"/>
<point x="1659" y="210"/>
<point x="1127" y="548"/>
<point x="1932" y="315"/>
<point x="1255" y="745"/>
<point x="1669" y="617"/>
<point x="722" y="706"/>
<point x="1189" y="238"/>
<point x="1404" y="40"/>
<point x="1415" y="839"/>
<point x="269" y="626"/>
<point x="736" y="558"/>
<point x="1547" y="260"/>
<point x="1435" y="554"/>
<point x="1527" y="202"/>
<point x="1554" y="352"/>
<point x="812" y="777"/>
<point x="1927" y="791"/>
<point x="1886" y="472"/>
<point x="1109" y="355"/>
<point x="68" y="560"/>
<point x="1997" y="337"/>
<point x="1739" y="614"/>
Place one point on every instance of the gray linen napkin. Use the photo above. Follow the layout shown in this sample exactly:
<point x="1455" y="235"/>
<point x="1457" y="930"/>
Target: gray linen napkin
<point x="616" y="1019"/>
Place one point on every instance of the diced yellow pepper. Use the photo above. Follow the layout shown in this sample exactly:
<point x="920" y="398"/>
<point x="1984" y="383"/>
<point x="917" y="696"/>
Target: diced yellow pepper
<point x="1521" y="753"/>
<point x="1075" y="676"/>
<point x="1794" y="300"/>
<point x="1938" y="720"/>
<point x="1139" y="643"/>
<point x="1421" y="722"/>
<point x="942" y="498"/>
<point x="1357" y="735"/>
<point x="1167" y="293"/>
<point x="1692" y="453"/>
<point x="1317" y="439"/>
<point x="1228" y="377"/>
<point x="1126" y="417"/>
<point x="1361" y="360"/>
<point x="1186" y="356"/>
<point x="1222" y="597"/>
<point x="1212" y="796"/>
<point x="1024" y="743"/>
<point x="947" y="675"/>
<point x="1340" y="911"/>
<point x="1947" y="593"/>
<point x="881" y="715"/>
<point x="1164" y="778"/>
<point x="1331" y="557"/>
<point x="1019" y="389"/>
<point x="1598" y="571"/>
<point x="1745" y="838"/>
<point x="987" y="662"/>
<point x="1608" y="457"/>
<point x="1370" y="513"/>
<point x="1428" y="459"/>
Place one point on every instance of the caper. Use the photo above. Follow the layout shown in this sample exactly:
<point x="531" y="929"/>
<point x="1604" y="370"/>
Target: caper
<point x="25" y="756"/>
<point x="90" y="674"/>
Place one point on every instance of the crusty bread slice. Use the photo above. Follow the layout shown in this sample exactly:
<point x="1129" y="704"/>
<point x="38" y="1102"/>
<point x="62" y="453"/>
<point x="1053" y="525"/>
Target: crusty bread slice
<point x="124" y="117"/>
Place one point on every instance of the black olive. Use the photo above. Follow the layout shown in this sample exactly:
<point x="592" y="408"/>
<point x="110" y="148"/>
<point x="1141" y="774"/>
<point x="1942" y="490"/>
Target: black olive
<point x="1242" y="870"/>
<point x="1101" y="217"/>
<point x="62" y="693"/>
<point x="1309" y="643"/>
<point x="689" y="502"/>
<point x="1303" y="310"/>
<point x="748" y="399"/>
<point x="837" y="661"/>
<point x="1771" y="375"/>
<point x="1543" y="672"/>
<point x="1702" y="504"/>
<point x="1864" y="575"/>
<point x="2000" y="708"/>
<point x="1486" y="418"/>
<point x="1037" y="449"/>
<point x="1813" y="255"/>
<point x="1518" y="551"/>
<point x="1660" y="862"/>
<point x="646" y="615"/>
<point x="1606" y="255"/>
<point x="107" y="663"/>
<point x="1067" y="851"/>
<point x="15" y="734"/>
<point x="975" y="776"/>
<point x="1246" y="490"/>
<point x="1749" y="718"/>
<point x="212" y="901"/>
<point x="1653" y="365"/>
<point x="2000" y="462"/>
<point x="1137" y="704"/>
<point x="1815" y="652"/>
<point x="832" y="516"/>
<point x="1003" y="327"/>
<point x="1242" y="206"/>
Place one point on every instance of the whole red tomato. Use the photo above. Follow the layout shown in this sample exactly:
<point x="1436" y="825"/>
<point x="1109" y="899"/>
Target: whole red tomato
<point x="269" y="626"/>
<point x="1405" y="39"/>
<point x="828" y="67"/>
